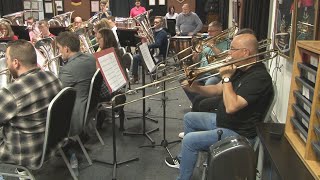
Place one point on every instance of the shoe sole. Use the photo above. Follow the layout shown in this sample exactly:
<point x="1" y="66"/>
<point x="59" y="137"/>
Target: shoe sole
<point x="170" y="165"/>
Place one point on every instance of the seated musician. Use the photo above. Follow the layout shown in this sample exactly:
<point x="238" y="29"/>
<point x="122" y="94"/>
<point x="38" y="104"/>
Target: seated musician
<point x="43" y="26"/>
<point x="246" y="92"/>
<point x="106" y="39"/>
<point x="188" y="23"/>
<point x="32" y="29"/>
<point x="138" y="9"/>
<point x="6" y="32"/>
<point x="77" y="22"/>
<point x="77" y="72"/>
<point x="24" y="105"/>
<point x="211" y="48"/>
<point x="104" y="8"/>
<point x="161" y="42"/>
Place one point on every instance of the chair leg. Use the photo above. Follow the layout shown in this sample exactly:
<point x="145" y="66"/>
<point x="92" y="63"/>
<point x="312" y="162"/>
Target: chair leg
<point x="83" y="149"/>
<point x="67" y="163"/>
<point x="98" y="135"/>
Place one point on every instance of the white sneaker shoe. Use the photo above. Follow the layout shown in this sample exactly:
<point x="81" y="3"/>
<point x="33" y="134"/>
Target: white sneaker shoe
<point x="21" y="172"/>
<point x="181" y="135"/>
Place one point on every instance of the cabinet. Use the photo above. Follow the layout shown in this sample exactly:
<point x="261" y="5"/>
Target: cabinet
<point x="303" y="117"/>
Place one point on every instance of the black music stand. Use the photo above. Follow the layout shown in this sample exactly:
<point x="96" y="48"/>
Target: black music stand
<point x="144" y="117"/>
<point x="115" y="163"/>
<point x="128" y="38"/>
<point x="21" y="31"/>
<point x="164" y="143"/>
<point x="171" y="24"/>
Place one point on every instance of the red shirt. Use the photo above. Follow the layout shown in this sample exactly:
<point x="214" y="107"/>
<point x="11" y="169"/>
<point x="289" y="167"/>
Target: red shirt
<point x="136" y="11"/>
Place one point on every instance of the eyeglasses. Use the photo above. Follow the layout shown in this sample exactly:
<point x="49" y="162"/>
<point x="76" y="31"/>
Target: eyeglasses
<point x="236" y="49"/>
<point x="156" y="22"/>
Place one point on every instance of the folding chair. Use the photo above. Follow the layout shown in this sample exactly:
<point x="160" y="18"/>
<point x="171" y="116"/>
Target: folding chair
<point x="58" y="120"/>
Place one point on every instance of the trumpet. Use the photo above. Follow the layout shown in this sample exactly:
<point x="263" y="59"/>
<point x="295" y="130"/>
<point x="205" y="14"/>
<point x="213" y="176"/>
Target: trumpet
<point x="193" y="73"/>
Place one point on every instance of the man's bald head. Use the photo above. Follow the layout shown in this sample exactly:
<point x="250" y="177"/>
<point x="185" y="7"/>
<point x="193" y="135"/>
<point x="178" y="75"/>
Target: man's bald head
<point x="248" y="41"/>
<point x="77" y="19"/>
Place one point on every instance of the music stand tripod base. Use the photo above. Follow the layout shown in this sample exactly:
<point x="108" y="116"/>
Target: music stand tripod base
<point x="115" y="164"/>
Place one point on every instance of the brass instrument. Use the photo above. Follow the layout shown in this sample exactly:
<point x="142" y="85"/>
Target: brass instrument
<point x="5" y="76"/>
<point x="49" y="50"/>
<point x="197" y="45"/>
<point x="211" y="58"/>
<point x="48" y="62"/>
<point x="145" y="28"/>
<point x="193" y="73"/>
<point x="15" y="18"/>
<point x="63" y="20"/>
<point x="4" y="71"/>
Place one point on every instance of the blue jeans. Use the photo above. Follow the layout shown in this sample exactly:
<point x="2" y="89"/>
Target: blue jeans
<point x="200" y="133"/>
<point x="135" y="64"/>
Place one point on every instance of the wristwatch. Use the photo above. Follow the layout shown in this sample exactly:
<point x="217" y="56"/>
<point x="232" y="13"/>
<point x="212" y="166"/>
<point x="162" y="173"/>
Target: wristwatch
<point x="226" y="80"/>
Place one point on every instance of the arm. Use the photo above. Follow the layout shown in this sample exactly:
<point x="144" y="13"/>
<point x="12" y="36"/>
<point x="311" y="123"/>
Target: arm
<point x="198" y="22"/>
<point x="8" y="108"/>
<point x="158" y="40"/>
<point x="231" y="100"/>
<point x="66" y="78"/>
<point x="131" y="13"/>
<point x="209" y="90"/>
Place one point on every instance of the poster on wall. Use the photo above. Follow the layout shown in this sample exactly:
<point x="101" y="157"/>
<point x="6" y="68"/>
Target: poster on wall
<point x="305" y="20"/>
<point x="59" y="5"/>
<point x="283" y="26"/>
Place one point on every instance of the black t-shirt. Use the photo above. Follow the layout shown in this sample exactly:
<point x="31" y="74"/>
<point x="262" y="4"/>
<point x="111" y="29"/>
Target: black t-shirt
<point x="255" y="86"/>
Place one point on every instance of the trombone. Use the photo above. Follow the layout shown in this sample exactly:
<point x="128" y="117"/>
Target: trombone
<point x="211" y="58"/>
<point x="193" y="73"/>
<point x="199" y="45"/>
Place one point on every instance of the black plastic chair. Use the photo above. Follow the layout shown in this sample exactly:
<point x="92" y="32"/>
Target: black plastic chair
<point x="93" y="101"/>
<point x="56" y="133"/>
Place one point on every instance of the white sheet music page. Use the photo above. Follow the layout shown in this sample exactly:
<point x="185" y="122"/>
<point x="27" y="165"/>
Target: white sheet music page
<point x="146" y="56"/>
<point x="111" y="69"/>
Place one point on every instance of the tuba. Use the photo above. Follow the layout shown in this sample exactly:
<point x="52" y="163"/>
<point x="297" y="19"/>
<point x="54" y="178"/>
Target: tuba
<point x="5" y="77"/>
<point x="85" y="42"/>
<point x="48" y="49"/>
<point x="145" y="28"/>
<point x="63" y="20"/>
<point x="15" y="18"/>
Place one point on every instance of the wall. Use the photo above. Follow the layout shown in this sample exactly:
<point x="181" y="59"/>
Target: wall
<point x="178" y="5"/>
<point x="83" y="10"/>
<point x="281" y="76"/>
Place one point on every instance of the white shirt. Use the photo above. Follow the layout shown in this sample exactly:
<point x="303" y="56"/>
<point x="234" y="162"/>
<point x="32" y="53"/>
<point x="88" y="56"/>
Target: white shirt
<point x="169" y="16"/>
<point x="114" y="30"/>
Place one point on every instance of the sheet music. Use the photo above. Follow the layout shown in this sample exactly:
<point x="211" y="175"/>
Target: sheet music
<point x="146" y="56"/>
<point x="112" y="72"/>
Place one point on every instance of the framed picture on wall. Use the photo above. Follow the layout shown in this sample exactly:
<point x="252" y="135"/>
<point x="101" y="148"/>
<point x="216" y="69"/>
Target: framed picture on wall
<point x="95" y="6"/>
<point x="27" y="4"/>
<point x="59" y="5"/>
<point x="162" y="2"/>
<point x="283" y="27"/>
<point x="35" y="5"/>
<point x="305" y="20"/>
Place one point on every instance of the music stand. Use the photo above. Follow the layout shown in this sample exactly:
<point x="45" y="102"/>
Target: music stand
<point x="128" y="38"/>
<point x="21" y="31"/>
<point x="149" y="63"/>
<point x="114" y="80"/>
<point x="171" y="26"/>
<point x="164" y="143"/>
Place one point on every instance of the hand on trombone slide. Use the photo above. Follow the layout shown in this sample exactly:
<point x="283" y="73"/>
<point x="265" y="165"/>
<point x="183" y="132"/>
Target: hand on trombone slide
<point x="227" y="71"/>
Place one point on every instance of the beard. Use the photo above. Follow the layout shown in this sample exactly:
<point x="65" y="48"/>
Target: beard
<point x="13" y="73"/>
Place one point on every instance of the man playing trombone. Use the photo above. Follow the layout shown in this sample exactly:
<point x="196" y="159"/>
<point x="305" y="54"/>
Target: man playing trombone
<point x="245" y="91"/>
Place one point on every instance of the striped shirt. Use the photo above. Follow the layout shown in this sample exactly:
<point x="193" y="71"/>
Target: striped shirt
<point x="23" y="111"/>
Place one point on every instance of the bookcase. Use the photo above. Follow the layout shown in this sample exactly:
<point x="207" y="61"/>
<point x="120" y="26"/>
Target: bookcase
<point x="303" y="118"/>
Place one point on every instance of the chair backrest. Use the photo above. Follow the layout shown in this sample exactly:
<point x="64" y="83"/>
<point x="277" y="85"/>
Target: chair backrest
<point x="122" y="51"/>
<point x="94" y="93"/>
<point x="127" y="59"/>
<point x="272" y="102"/>
<point x="58" y="120"/>
<point x="168" y="46"/>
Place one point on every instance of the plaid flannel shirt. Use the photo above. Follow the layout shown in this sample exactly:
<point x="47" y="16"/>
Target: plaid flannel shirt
<point x="23" y="110"/>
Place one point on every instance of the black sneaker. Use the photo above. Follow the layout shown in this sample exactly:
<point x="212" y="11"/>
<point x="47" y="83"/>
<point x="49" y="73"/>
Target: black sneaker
<point x="172" y="162"/>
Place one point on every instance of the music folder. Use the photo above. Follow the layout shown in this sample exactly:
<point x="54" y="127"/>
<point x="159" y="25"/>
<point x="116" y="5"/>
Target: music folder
<point x="111" y="69"/>
<point x="146" y="56"/>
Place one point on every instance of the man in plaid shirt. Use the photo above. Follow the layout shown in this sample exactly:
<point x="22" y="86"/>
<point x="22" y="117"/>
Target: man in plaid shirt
<point x="23" y="106"/>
